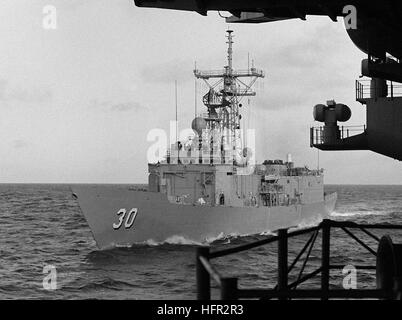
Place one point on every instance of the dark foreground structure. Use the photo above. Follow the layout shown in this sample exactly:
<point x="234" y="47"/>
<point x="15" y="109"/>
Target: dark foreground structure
<point x="388" y="266"/>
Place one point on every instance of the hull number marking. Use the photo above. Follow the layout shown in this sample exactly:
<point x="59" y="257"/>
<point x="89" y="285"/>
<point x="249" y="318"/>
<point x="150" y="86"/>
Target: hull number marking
<point x="128" y="219"/>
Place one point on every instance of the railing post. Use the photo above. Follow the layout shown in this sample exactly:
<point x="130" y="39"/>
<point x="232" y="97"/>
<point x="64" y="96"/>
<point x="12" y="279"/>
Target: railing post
<point x="357" y="90"/>
<point x="203" y="277"/>
<point x="322" y="134"/>
<point x="311" y="137"/>
<point x="397" y="288"/>
<point x="229" y="289"/>
<point x="325" y="256"/>
<point x="282" y="259"/>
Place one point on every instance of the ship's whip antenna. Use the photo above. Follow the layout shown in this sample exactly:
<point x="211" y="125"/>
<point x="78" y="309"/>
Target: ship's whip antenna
<point x="195" y="97"/>
<point x="195" y="91"/>
<point x="178" y="144"/>
<point x="177" y="126"/>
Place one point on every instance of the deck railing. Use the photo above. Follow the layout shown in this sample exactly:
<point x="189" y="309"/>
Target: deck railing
<point x="229" y="288"/>
<point x="317" y="133"/>
<point x="363" y="90"/>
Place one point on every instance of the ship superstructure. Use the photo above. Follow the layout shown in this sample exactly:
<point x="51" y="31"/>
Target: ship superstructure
<point x="216" y="167"/>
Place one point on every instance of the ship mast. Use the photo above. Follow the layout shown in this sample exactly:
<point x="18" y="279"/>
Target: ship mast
<point x="223" y="100"/>
<point x="230" y="51"/>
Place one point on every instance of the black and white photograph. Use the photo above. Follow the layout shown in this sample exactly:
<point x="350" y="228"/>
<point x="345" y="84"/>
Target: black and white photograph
<point x="209" y="157"/>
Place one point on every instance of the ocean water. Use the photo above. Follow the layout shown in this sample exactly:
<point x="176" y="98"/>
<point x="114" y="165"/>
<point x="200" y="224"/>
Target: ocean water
<point x="41" y="226"/>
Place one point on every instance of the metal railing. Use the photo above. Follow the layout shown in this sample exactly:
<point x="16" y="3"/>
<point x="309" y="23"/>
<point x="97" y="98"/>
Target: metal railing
<point x="317" y="133"/>
<point x="363" y="90"/>
<point x="229" y="288"/>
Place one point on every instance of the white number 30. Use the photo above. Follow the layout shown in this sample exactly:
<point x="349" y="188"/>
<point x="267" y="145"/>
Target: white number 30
<point x="129" y="220"/>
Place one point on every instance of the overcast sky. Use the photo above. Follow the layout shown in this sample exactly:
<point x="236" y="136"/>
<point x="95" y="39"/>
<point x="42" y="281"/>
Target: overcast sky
<point x="78" y="102"/>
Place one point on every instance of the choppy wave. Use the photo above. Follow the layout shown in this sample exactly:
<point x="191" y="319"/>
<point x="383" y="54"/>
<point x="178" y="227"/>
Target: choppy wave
<point x="183" y="241"/>
<point x="268" y="233"/>
<point x="307" y="224"/>
<point x="107" y="283"/>
<point x="358" y="213"/>
<point x="173" y="240"/>
<point x="180" y="240"/>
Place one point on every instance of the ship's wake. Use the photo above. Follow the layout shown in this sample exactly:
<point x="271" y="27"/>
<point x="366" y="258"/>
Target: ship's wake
<point x="219" y="240"/>
<point x="173" y="240"/>
<point x="358" y="213"/>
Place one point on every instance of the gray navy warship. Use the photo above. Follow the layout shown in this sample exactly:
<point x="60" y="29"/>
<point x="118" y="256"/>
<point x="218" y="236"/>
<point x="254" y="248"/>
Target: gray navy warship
<point x="209" y="186"/>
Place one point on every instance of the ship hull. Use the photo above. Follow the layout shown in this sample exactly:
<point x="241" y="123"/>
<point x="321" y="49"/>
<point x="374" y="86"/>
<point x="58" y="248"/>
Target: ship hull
<point x="119" y="216"/>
